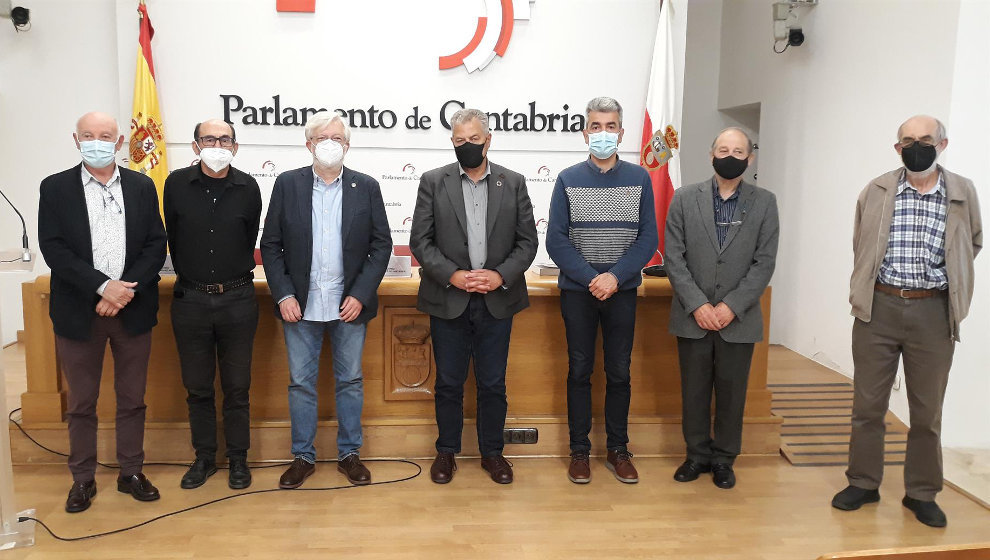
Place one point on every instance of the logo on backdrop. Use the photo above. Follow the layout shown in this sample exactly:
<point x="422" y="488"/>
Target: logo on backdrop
<point x="408" y="174"/>
<point x="543" y="175"/>
<point x="404" y="227"/>
<point x="267" y="171"/>
<point x="491" y="35"/>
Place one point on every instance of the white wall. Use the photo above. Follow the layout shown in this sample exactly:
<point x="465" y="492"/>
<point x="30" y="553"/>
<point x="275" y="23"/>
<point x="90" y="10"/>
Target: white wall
<point x="830" y="111"/>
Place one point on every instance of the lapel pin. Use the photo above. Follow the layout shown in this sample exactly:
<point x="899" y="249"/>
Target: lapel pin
<point x="353" y="185"/>
<point x="498" y="183"/>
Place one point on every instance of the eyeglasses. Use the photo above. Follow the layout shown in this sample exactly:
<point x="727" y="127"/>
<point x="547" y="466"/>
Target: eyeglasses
<point x="926" y="142"/>
<point x="211" y="141"/>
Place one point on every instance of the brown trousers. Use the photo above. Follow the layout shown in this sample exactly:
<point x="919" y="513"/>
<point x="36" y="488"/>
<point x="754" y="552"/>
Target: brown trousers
<point x="82" y="365"/>
<point x="917" y="331"/>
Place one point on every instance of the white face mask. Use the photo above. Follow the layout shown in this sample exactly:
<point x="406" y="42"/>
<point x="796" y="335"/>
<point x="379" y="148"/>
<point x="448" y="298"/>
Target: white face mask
<point x="329" y="153"/>
<point x="216" y="159"/>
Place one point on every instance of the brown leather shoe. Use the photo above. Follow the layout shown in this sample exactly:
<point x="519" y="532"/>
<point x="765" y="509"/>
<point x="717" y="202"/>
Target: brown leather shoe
<point x="499" y="468"/>
<point x="443" y="468"/>
<point x="355" y="471"/>
<point x="620" y="463"/>
<point x="296" y="474"/>
<point x="138" y="486"/>
<point x="580" y="470"/>
<point x="80" y="496"/>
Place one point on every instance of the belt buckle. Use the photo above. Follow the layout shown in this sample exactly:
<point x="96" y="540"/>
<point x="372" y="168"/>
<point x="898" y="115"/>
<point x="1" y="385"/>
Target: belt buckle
<point x="902" y="295"/>
<point x="214" y="288"/>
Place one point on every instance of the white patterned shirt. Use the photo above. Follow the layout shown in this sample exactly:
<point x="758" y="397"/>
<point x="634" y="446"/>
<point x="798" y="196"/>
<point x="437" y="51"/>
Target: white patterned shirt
<point x="915" y="257"/>
<point x="105" y="205"/>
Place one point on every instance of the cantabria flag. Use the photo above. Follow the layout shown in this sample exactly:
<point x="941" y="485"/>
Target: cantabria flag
<point x="147" y="146"/>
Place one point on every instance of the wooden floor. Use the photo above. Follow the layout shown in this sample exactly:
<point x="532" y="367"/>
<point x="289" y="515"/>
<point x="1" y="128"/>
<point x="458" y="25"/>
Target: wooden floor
<point x="777" y="511"/>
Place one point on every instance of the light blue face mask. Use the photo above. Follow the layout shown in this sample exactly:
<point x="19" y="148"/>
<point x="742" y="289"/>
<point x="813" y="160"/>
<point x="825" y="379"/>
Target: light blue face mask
<point x="98" y="153"/>
<point x="603" y="144"/>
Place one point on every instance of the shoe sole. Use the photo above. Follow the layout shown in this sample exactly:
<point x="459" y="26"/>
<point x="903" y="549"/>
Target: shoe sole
<point x="89" y="502"/>
<point x="292" y="486"/>
<point x="435" y="481"/>
<point x="854" y="507"/>
<point x="238" y="485"/>
<point x="619" y="478"/>
<point x="578" y="480"/>
<point x="351" y="480"/>
<point x="187" y="486"/>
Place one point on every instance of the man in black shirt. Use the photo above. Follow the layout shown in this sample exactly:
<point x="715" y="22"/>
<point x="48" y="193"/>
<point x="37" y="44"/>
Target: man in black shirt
<point x="212" y="212"/>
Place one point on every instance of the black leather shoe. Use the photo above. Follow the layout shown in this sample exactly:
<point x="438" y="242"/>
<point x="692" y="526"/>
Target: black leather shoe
<point x="296" y="474"/>
<point x="443" y="468"/>
<point x="853" y="498"/>
<point x="198" y="472"/>
<point x="239" y="476"/>
<point x="689" y="470"/>
<point x="927" y="512"/>
<point x="723" y="476"/>
<point x="139" y="486"/>
<point x="80" y="496"/>
<point x="355" y="471"/>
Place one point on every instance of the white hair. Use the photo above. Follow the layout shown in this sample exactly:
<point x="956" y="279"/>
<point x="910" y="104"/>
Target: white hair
<point x="465" y="115"/>
<point x="939" y="128"/>
<point x="749" y="141"/>
<point x="604" y="105"/>
<point x="323" y="119"/>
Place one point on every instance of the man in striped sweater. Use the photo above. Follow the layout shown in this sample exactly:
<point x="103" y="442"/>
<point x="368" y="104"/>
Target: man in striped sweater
<point x="602" y="231"/>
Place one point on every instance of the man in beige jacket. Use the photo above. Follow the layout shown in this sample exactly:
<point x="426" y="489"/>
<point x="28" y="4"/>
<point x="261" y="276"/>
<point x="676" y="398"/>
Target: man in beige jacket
<point x="916" y="233"/>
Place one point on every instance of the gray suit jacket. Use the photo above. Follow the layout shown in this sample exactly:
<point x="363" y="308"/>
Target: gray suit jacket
<point x="438" y="240"/>
<point x="736" y="274"/>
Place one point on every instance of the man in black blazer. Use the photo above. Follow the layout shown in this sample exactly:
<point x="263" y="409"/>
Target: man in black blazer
<point x="474" y="236"/>
<point x="325" y="248"/>
<point x="101" y="233"/>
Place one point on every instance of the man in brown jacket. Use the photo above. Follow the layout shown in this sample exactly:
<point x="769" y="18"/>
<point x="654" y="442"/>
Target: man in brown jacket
<point x="916" y="233"/>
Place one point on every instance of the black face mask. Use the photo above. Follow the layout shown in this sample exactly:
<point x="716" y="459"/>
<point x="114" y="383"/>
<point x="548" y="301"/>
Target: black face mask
<point x="729" y="167"/>
<point x="469" y="155"/>
<point x="917" y="157"/>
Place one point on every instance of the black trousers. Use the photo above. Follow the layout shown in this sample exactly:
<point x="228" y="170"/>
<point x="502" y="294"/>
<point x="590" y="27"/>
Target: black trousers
<point x="709" y="363"/>
<point x="583" y="313"/>
<point x="211" y="329"/>
<point x="476" y="335"/>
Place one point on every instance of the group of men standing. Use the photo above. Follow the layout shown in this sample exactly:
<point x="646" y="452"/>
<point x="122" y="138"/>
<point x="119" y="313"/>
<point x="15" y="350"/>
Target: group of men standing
<point x="326" y="245"/>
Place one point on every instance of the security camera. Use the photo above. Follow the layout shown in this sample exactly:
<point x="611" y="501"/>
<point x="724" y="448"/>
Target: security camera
<point x="795" y="37"/>
<point x="19" y="16"/>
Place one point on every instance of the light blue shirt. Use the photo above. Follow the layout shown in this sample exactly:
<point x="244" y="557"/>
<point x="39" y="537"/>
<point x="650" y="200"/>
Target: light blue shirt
<point x="326" y="274"/>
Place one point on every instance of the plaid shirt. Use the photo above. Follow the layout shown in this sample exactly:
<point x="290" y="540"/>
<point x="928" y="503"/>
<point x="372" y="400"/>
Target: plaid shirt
<point x="915" y="256"/>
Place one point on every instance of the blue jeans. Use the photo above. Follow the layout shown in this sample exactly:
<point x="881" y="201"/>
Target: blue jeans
<point x="303" y="341"/>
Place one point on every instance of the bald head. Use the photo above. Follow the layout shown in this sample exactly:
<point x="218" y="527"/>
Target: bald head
<point x="732" y="141"/>
<point x="919" y="127"/>
<point x="97" y="126"/>
<point x="214" y="127"/>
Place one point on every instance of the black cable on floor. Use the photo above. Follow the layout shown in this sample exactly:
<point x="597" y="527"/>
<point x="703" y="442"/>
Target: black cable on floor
<point x="10" y="417"/>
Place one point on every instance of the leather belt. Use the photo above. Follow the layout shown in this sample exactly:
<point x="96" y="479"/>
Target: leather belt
<point x="905" y="292"/>
<point x="217" y="288"/>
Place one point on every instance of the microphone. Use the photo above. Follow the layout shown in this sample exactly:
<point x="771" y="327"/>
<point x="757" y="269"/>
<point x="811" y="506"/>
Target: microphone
<point x="26" y="256"/>
<point x="657" y="269"/>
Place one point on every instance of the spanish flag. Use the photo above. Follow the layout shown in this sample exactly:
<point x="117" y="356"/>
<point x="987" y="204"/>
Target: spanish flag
<point x="147" y="146"/>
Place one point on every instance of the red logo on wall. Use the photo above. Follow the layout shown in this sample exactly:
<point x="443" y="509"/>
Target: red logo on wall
<point x="491" y="36"/>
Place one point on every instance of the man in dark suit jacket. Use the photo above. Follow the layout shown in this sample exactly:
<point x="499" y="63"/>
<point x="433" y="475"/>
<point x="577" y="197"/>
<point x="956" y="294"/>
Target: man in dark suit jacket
<point x="325" y="248"/>
<point x="721" y="248"/>
<point x="101" y="233"/>
<point x="474" y="236"/>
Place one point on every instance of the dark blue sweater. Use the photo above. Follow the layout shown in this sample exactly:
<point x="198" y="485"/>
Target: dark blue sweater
<point x="601" y="222"/>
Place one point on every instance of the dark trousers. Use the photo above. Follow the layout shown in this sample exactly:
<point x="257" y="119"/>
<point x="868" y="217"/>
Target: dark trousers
<point x="211" y="329"/>
<point x="583" y="313"/>
<point x="475" y="334"/>
<point x="917" y="332"/>
<point x="711" y="363"/>
<point x="82" y="365"/>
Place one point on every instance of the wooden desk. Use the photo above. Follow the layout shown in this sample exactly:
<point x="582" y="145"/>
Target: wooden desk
<point x="398" y="380"/>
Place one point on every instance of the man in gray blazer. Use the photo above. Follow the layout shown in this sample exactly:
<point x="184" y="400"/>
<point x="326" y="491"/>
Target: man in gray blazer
<point x="474" y="236"/>
<point x="721" y="247"/>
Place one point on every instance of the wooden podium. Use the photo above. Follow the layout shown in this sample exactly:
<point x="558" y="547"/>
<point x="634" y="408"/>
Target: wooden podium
<point x="398" y="415"/>
<point x="13" y="534"/>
